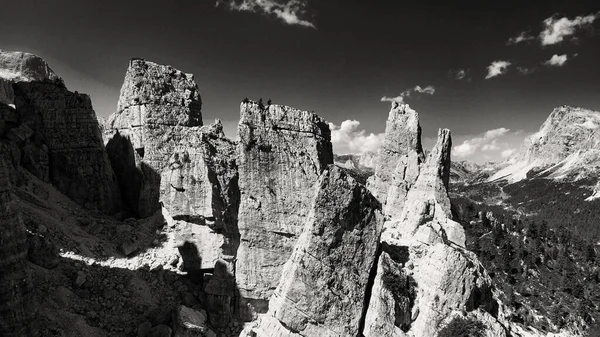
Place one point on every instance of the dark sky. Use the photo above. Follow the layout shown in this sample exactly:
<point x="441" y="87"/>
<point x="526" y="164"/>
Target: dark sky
<point x="358" y="52"/>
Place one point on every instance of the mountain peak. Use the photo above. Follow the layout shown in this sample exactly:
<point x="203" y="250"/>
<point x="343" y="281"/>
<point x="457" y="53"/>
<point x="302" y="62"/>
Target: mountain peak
<point x="16" y="66"/>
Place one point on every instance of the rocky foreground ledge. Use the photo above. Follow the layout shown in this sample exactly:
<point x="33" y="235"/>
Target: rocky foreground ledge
<point x="203" y="235"/>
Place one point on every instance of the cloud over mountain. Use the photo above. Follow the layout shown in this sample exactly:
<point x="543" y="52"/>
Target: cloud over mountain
<point x="347" y="138"/>
<point x="292" y="12"/>
<point x="492" y="145"/>
<point x="428" y="90"/>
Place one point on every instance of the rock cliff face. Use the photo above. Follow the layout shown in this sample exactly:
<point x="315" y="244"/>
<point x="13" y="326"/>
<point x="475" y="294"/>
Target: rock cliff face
<point x="155" y="104"/>
<point x="566" y="146"/>
<point x="21" y="67"/>
<point x="282" y="152"/>
<point x="323" y="284"/>
<point x="399" y="158"/>
<point x="57" y="131"/>
<point x="162" y="155"/>
<point x="424" y="274"/>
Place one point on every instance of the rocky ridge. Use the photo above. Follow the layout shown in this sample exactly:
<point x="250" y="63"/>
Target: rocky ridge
<point x="565" y="147"/>
<point x="214" y="232"/>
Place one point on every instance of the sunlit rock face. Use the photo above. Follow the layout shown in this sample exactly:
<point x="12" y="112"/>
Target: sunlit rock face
<point x="156" y="105"/>
<point x="166" y="159"/>
<point x="565" y="147"/>
<point x="22" y="67"/>
<point x="282" y="152"/>
<point x="399" y="159"/>
<point x="323" y="284"/>
<point x="424" y="274"/>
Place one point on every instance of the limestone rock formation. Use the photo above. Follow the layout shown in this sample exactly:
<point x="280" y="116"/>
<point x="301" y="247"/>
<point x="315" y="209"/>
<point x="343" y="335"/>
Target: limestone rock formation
<point x="398" y="159"/>
<point x="162" y="155"/>
<point x="60" y="141"/>
<point x="21" y="67"/>
<point x="156" y="102"/>
<point x="566" y="146"/>
<point x="424" y="274"/>
<point x="282" y="152"/>
<point x="426" y="216"/>
<point x="323" y="284"/>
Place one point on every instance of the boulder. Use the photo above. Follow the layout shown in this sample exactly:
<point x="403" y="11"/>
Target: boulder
<point x="160" y="331"/>
<point x="282" y="152"/>
<point x="188" y="322"/>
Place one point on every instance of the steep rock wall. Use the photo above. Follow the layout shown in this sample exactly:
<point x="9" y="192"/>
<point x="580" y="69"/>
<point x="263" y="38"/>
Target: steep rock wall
<point x="60" y="140"/>
<point x="282" y="152"/>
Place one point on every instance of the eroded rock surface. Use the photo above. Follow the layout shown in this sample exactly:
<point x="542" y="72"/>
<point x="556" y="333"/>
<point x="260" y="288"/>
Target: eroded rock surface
<point x="282" y="152"/>
<point x="155" y="104"/>
<point x="424" y="274"/>
<point x="398" y="159"/>
<point x="21" y="67"/>
<point x="323" y="284"/>
<point x="60" y="141"/>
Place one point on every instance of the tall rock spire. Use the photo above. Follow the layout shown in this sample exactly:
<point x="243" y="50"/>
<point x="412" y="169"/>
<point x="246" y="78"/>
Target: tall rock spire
<point x="399" y="158"/>
<point x="156" y="101"/>
<point x="282" y="152"/>
<point x="424" y="275"/>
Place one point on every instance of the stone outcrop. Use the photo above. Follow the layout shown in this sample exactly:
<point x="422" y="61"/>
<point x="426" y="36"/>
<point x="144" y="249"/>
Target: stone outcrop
<point x="323" y="284"/>
<point x="282" y="152"/>
<point x="426" y="216"/>
<point x="21" y="67"/>
<point x="155" y="104"/>
<point x="398" y="159"/>
<point x="60" y="141"/>
<point x="162" y="155"/>
<point x="424" y="274"/>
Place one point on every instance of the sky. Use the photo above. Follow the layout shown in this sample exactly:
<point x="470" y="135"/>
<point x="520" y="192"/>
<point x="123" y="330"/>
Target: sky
<point x="491" y="72"/>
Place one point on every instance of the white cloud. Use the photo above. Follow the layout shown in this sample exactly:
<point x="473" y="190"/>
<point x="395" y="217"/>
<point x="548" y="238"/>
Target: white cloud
<point x="557" y="60"/>
<point x="292" y="12"/>
<point x="524" y="36"/>
<point x="347" y="138"/>
<point x="497" y="68"/>
<point x="506" y="153"/>
<point x="486" y="141"/>
<point x="557" y="29"/>
<point x="526" y="71"/>
<point x="428" y="90"/>
<point x="460" y="74"/>
<point x="398" y="99"/>
<point x="493" y="146"/>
